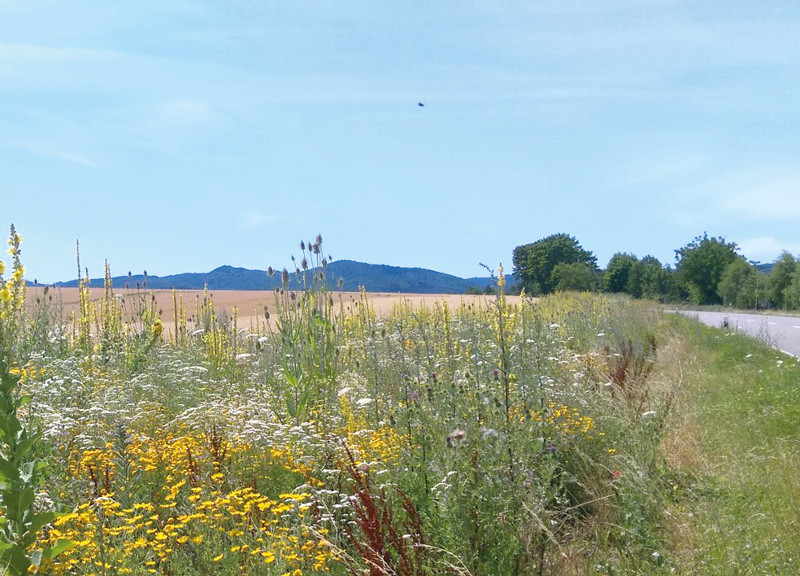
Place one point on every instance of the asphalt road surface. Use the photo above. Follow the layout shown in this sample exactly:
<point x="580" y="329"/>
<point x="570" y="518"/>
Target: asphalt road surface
<point x="783" y="332"/>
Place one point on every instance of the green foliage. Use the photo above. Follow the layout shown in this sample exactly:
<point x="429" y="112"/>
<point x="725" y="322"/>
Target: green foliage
<point x="701" y="264"/>
<point x="534" y="263"/>
<point x="306" y="329"/>
<point x="618" y="274"/>
<point x="20" y="475"/>
<point x="21" y="470"/>
<point x="655" y="281"/>
<point x="739" y="284"/>
<point x="573" y="276"/>
<point x="792" y="292"/>
<point x="780" y="280"/>
<point x="552" y="264"/>
<point x="645" y="278"/>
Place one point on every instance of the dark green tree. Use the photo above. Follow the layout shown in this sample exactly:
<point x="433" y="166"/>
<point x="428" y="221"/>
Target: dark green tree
<point x="792" y="293"/>
<point x="700" y="265"/>
<point x="635" y="277"/>
<point x="656" y="282"/>
<point x="739" y="284"/>
<point x="534" y="263"/>
<point x="575" y="276"/>
<point x="779" y="280"/>
<point x="617" y="275"/>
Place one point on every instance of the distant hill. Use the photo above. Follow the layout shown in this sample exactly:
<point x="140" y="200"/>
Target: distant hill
<point x="766" y="268"/>
<point x="373" y="277"/>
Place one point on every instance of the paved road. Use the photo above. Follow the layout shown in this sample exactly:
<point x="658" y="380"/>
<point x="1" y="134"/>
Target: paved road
<point x="783" y="332"/>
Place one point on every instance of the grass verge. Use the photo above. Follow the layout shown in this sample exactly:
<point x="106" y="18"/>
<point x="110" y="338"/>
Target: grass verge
<point x="736" y="456"/>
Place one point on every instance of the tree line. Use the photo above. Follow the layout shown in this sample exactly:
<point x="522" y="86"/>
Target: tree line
<point x="707" y="271"/>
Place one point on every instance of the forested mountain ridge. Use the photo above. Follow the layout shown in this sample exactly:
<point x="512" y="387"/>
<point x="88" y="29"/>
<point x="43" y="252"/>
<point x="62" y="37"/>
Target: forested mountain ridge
<point x="353" y="275"/>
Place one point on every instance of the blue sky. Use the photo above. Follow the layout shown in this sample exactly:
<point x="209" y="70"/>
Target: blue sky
<point x="177" y="136"/>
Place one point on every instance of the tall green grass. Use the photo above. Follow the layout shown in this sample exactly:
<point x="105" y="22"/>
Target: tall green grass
<point x="740" y="512"/>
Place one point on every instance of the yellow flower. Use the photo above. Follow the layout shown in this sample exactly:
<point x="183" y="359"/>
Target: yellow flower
<point x="218" y="558"/>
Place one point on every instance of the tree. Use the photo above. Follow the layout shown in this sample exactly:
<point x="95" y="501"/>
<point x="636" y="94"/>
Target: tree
<point x="634" y="284"/>
<point x="575" y="276"/>
<point x="780" y="280"/>
<point x="534" y="263"/>
<point x="792" y="293"/>
<point x="656" y="282"/>
<point x="700" y="265"/>
<point x="617" y="275"/>
<point x="739" y="284"/>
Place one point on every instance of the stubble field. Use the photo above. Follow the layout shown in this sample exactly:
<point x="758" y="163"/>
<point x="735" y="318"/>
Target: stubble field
<point x="250" y="304"/>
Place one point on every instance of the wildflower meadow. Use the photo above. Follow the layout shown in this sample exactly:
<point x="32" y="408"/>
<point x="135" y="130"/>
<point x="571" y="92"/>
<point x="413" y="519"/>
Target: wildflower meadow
<point x="494" y="439"/>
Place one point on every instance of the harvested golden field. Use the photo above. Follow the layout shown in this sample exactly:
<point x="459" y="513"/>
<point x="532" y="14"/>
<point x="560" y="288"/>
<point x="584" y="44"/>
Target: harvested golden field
<point x="250" y="304"/>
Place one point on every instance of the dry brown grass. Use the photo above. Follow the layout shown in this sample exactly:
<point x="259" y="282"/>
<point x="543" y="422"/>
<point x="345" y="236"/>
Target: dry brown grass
<point x="681" y="445"/>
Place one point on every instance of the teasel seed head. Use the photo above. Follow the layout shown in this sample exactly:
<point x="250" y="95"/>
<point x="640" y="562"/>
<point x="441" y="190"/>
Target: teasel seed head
<point x="456" y="437"/>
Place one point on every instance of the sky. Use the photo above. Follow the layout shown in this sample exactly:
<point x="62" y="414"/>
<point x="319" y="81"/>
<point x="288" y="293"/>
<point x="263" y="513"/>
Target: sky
<point x="178" y="136"/>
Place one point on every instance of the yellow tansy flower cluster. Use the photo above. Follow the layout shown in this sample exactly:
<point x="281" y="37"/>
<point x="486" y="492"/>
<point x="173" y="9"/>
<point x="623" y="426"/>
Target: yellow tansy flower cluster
<point x="185" y="507"/>
<point x="383" y="443"/>
<point x="569" y="420"/>
<point x="566" y="420"/>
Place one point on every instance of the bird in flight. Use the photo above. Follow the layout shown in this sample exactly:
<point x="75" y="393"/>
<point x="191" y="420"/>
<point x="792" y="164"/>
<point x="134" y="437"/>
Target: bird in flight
<point x="420" y="104"/>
